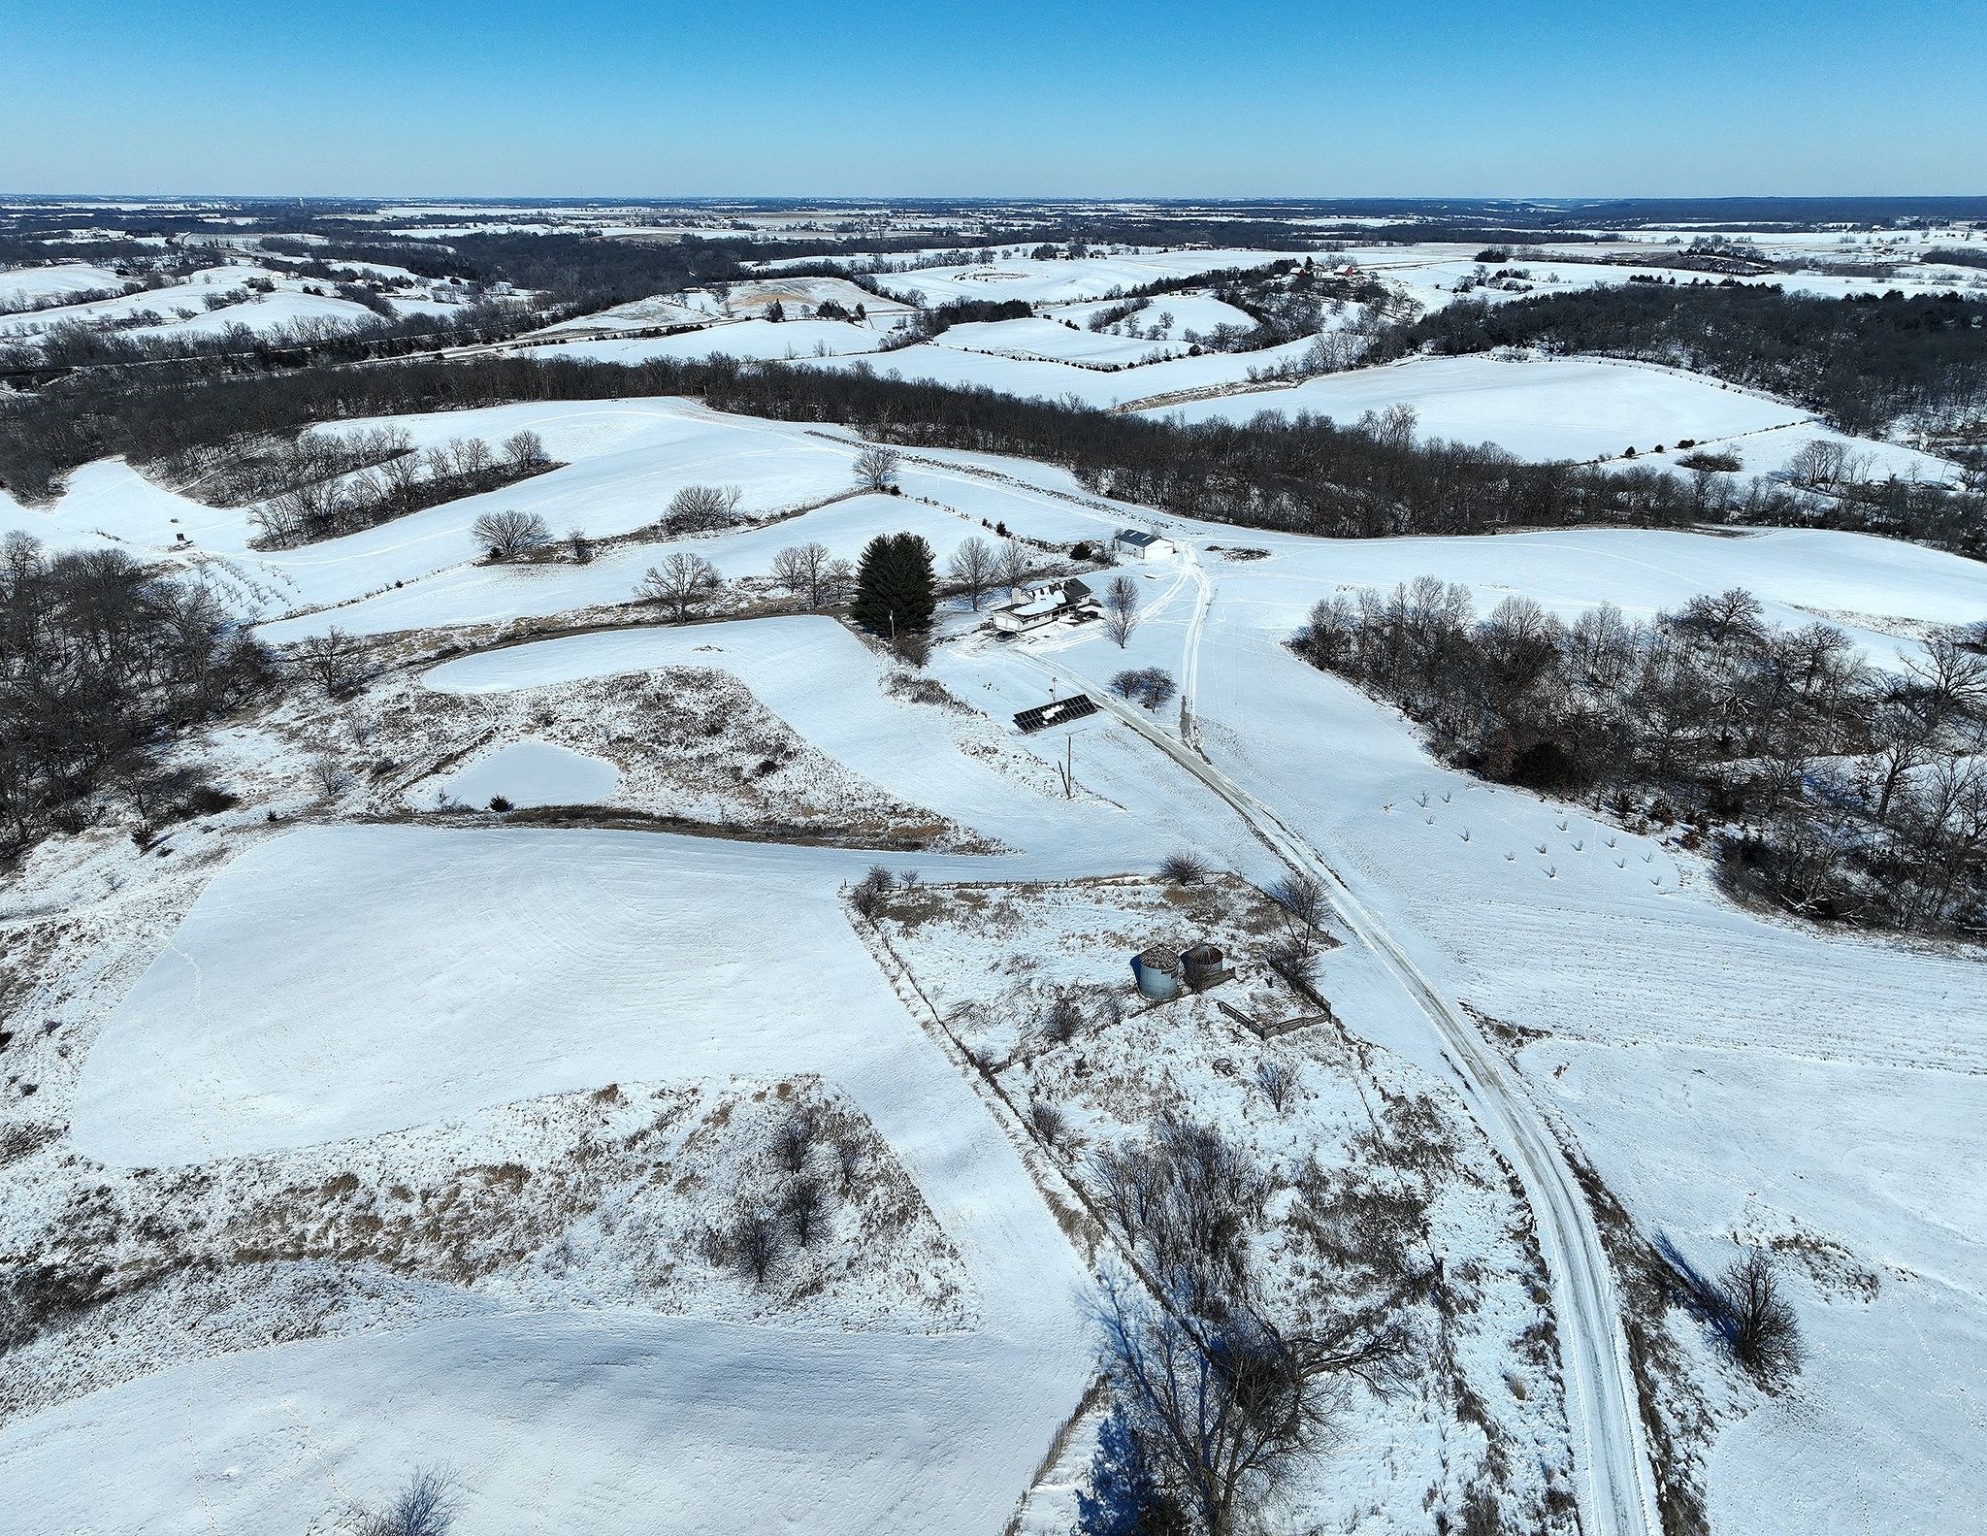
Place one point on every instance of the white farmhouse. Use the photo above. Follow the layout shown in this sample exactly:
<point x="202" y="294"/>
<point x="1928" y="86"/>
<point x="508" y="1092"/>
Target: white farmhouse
<point x="1045" y="603"/>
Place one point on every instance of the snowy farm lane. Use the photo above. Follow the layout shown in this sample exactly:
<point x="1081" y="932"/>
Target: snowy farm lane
<point x="1618" y="1491"/>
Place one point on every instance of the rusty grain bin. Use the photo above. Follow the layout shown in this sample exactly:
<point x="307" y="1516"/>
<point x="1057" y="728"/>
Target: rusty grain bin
<point x="1202" y="966"/>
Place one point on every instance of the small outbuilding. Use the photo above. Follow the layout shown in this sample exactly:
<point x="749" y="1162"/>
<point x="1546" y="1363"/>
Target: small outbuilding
<point x="1137" y="544"/>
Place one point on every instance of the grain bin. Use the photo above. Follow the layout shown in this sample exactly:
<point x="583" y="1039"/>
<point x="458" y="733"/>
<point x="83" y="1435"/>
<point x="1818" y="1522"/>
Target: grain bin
<point x="1158" y="973"/>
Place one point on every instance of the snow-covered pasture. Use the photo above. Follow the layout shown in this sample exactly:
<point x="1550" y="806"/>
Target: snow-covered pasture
<point x="347" y="982"/>
<point x="531" y="773"/>
<point x="622" y="1197"/>
<point x="344" y="983"/>
<point x="753" y="340"/>
<point x="1878" y="591"/>
<point x="623" y="460"/>
<point x="688" y="742"/>
<point x="183" y="304"/>
<point x="828" y="686"/>
<point x="1067" y="281"/>
<point x="38" y="285"/>
<point x="1047" y="379"/>
<point x="1563" y="408"/>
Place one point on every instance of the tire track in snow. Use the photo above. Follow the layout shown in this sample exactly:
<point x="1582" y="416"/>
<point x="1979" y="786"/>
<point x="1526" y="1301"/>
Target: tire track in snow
<point x="1617" y="1486"/>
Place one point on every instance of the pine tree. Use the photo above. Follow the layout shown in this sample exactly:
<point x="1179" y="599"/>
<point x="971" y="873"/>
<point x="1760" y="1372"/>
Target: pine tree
<point x="896" y="588"/>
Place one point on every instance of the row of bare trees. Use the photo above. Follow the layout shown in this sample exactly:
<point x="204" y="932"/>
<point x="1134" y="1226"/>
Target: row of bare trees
<point x="1844" y="792"/>
<point x="977" y="567"/>
<point x="340" y="485"/>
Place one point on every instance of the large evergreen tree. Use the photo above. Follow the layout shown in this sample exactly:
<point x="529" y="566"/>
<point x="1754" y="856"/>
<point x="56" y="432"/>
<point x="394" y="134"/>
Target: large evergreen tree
<point x="896" y="590"/>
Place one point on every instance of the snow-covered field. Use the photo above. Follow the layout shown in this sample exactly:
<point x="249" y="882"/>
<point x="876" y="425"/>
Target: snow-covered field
<point x="1566" y="408"/>
<point x="41" y="285"/>
<point x="470" y="970"/>
<point x="204" y="302"/>
<point x="301" y="987"/>
<point x="1732" y="1078"/>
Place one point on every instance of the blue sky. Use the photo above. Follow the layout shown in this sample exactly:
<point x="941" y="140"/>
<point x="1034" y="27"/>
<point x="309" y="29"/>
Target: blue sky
<point x="818" y="97"/>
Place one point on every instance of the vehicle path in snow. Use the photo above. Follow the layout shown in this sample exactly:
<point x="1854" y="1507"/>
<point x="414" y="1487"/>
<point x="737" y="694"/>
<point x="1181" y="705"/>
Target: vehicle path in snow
<point x="1618" y="1490"/>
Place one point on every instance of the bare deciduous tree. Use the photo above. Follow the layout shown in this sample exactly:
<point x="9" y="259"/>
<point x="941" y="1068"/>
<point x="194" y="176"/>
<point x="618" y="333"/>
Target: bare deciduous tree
<point x="811" y="574"/>
<point x="702" y="508"/>
<point x="1818" y="463"/>
<point x="793" y="1141"/>
<point x="510" y="534"/>
<point x="804" y="1207"/>
<point x="1759" y="1323"/>
<point x="848" y="1163"/>
<point x="524" y="450"/>
<point x="329" y="660"/>
<point x="876" y="467"/>
<point x="975" y="567"/>
<point x="755" y="1243"/>
<point x="1277" y="1081"/>
<point x="1301" y="900"/>
<point x="1150" y="686"/>
<point x="1015" y="565"/>
<point x="1227" y="1408"/>
<point x="1121" y="609"/>
<point x="329" y="775"/>
<point x="683" y="583"/>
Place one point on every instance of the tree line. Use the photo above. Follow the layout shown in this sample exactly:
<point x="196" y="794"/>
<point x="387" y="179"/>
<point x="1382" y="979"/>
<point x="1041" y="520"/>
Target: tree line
<point x="1835" y="790"/>
<point x="332" y="487"/>
<point x="1367" y="479"/>
<point x="102" y="661"/>
<point x="1861" y="362"/>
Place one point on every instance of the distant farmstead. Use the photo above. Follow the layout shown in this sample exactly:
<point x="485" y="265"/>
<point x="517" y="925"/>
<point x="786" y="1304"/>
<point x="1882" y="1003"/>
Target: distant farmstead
<point x="1137" y="544"/>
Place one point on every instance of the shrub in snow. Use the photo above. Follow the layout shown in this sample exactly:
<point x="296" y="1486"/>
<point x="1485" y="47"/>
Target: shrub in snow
<point x="426" y="1507"/>
<point x="1065" y="1018"/>
<point x="793" y="1142"/>
<point x="1150" y="686"/>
